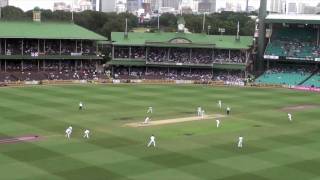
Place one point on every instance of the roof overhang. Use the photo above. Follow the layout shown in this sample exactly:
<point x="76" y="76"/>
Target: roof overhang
<point x="293" y="18"/>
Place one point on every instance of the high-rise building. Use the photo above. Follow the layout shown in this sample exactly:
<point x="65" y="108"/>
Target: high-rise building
<point x="95" y="5"/>
<point x="171" y="3"/>
<point x="276" y="6"/>
<point x="107" y="5"/>
<point x="4" y="3"/>
<point x="207" y="6"/>
<point x="155" y="5"/>
<point x="133" y="5"/>
<point x="292" y="8"/>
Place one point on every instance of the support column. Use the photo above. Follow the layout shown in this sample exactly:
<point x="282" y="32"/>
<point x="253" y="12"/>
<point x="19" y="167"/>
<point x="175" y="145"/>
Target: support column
<point x="5" y="65"/>
<point x="44" y="65"/>
<point x="59" y="65"/>
<point x="81" y="46"/>
<point x="60" y="47"/>
<point x="21" y="65"/>
<point x="212" y="58"/>
<point x="97" y="48"/>
<point x="147" y="53"/>
<point x="112" y="52"/>
<point x="81" y="65"/>
<point x="38" y="46"/>
<point x="22" y="47"/>
<point x="190" y="55"/>
<point x="5" y="46"/>
<point x="168" y="57"/>
<point x="44" y="46"/>
<point x="130" y="52"/>
<point x="76" y="46"/>
<point x="76" y="65"/>
<point x="38" y="65"/>
<point x="0" y="46"/>
<point x="112" y="71"/>
<point x="318" y="36"/>
<point x="247" y="56"/>
<point x="229" y="55"/>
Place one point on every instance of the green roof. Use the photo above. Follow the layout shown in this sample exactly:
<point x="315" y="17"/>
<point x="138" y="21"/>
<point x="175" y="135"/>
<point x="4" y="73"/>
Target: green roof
<point x="163" y="39"/>
<point x="46" y="30"/>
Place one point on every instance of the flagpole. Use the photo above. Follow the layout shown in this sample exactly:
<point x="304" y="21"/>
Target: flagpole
<point x="158" y="22"/>
<point x="204" y="22"/>
<point x="72" y="10"/>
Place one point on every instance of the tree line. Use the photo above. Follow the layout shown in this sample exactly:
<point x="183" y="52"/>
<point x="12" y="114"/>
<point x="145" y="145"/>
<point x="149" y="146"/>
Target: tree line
<point x="105" y="23"/>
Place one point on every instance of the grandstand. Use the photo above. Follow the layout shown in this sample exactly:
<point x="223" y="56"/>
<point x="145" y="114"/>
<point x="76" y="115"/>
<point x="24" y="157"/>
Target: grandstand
<point x="179" y="55"/>
<point x="292" y="49"/>
<point x="53" y="51"/>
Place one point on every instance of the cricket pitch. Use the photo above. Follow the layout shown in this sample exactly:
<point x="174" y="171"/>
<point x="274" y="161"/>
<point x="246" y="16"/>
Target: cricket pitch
<point x="173" y="121"/>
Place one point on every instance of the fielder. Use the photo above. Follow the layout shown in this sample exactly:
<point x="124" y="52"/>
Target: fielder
<point x="289" y="117"/>
<point x="202" y="114"/>
<point x="146" y="121"/>
<point x="199" y="111"/>
<point x="228" y="110"/>
<point x="150" y="110"/>
<point x="220" y="104"/>
<point x="68" y="132"/>
<point x="152" y="141"/>
<point x="218" y="123"/>
<point x="86" y="134"/>
<point x="80" y="106"/>
<point x="240" y="141"/>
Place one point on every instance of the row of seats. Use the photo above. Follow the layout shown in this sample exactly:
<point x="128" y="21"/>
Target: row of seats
<point x="294" y="42"/>
<point x="282" y="78"/>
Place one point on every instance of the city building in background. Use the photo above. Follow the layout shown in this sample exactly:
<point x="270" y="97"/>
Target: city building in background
<point x="4" y="3"/>
<point x="208" y="6"/>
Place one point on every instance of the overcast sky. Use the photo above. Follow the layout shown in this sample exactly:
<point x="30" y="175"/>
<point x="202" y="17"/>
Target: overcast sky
<point x="48" y="4"/>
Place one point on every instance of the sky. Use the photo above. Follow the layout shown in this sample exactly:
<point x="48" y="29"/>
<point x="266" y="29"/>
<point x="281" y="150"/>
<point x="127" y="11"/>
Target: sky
<point x="48" y="4"/>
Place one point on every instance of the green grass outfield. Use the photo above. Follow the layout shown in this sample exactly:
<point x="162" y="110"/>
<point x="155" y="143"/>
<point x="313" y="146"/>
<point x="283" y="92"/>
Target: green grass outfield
<point x="273" y="147"/>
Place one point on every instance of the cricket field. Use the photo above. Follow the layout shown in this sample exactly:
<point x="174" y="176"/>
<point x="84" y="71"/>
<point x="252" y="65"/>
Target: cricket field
<point x="274" y="148"/>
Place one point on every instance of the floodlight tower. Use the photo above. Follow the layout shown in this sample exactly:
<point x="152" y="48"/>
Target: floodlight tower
<point x="262" y="35"/>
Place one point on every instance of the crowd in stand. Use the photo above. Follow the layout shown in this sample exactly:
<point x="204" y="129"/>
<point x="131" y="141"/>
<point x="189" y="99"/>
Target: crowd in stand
<point x="302" y="70"/>
<point x="124" y="53"/>
<point x="53" y="70"/>
<point x="178" y="74"/>
<point x="180" y="55"/>
<point x="296" y="43"/>
<point x="194" y="56"/>
<point x="50" y="47"/>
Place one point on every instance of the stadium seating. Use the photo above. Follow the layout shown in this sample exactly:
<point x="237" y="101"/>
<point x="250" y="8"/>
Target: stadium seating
<point x="313" y="81"/>
<point x="283" y="77"/>
<point x="295" y="43"/>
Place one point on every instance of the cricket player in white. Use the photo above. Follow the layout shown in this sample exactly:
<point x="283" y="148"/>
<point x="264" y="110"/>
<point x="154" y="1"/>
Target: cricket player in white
<point x="289" y="117"/>
<point x="199" y="111"/>
<point x="202" y="114"/>
<point x="228" y="110"/>
<point x="150" y="110"/>
<point x="152" y="141"/>
<point x="218" y="123"/>
<point x="220" y="104"/>
<point x="69" y="132"/>
<point x="146" y="121"/>
<point x="80" y="106"/>
<point x="86" y="134"/>
<point x="240" y="141"/>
